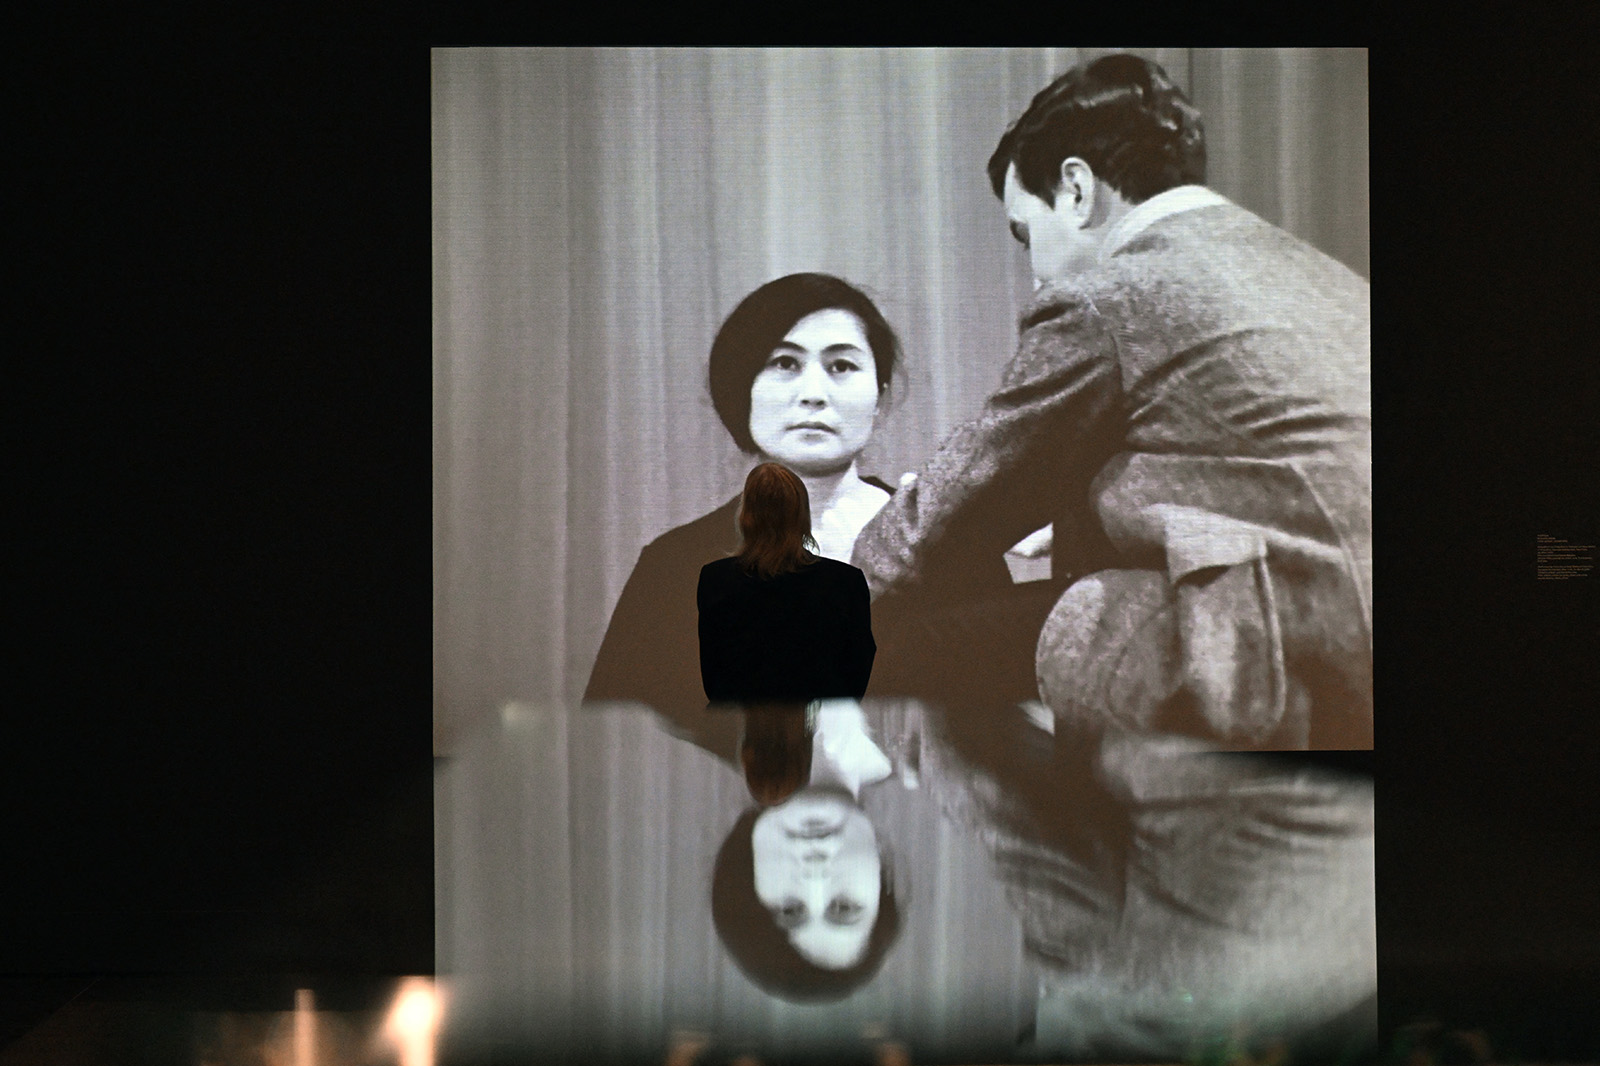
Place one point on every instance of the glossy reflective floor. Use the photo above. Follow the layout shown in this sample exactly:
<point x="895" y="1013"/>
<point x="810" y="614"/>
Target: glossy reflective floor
<point x="938" y="887"/>
<point x="215" y="1021"/>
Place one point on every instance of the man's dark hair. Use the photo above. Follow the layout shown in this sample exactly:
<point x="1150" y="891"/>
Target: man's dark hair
<point x="1122" y="115"/>
<point x="761" y="949"/>
<point x="746" y="340"/>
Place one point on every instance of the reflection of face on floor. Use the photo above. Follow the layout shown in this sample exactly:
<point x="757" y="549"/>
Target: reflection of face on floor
<point x="818" y="872"/>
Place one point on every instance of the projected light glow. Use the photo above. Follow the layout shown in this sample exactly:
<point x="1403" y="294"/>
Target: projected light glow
<point x="413" y="1021"/>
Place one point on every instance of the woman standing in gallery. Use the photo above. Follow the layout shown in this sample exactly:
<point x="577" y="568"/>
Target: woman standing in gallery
<point x="777" y="622"/>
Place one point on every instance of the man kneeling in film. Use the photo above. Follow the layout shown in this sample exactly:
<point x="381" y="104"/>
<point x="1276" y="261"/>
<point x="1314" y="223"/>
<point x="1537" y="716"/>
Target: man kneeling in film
<point x="1189" y="409"/>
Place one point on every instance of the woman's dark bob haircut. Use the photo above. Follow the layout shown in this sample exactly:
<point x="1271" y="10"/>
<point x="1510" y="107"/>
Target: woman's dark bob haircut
<point x="762" y="950"/>
<point x="1122" y="115"/>
<point x="747" y="339"/>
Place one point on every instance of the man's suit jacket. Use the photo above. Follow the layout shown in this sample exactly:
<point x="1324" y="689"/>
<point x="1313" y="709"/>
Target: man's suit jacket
<point x="792" y="637"/>
<point x="1197" y="411"/>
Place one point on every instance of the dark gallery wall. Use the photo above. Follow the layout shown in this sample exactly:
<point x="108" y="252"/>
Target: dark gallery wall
<point x="218" y="562"/>
<point x="1484" y="440"/>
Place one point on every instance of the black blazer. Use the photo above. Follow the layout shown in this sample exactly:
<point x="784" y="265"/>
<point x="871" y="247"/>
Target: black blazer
<point x="799" y="636"/>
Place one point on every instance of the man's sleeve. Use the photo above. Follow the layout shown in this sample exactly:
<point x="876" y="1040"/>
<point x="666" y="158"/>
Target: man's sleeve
<point x="1039" y="439"/>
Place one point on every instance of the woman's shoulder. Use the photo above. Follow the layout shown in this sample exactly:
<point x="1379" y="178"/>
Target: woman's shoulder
<point x="728" y="564"/>
<point x="722" y="582"/>
<point x="710" y="536"/>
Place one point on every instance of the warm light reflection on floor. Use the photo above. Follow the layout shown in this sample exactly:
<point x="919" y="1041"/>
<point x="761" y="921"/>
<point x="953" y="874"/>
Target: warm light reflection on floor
<point x="404" y="1032"/>
<point x="413" y="1022"/>
<point x="305" y="1028"/>
<point x="303" y="1036"/>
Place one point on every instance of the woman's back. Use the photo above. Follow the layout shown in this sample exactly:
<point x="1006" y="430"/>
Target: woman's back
<point x="802" y="635"/>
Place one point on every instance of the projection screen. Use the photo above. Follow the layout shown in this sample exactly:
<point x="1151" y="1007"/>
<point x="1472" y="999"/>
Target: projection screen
<point x="597" y="214"/>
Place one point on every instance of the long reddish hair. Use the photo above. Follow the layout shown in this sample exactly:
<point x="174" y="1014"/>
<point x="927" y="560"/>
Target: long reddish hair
<point x="774" y="521"/>
<point x="775" y="751"/>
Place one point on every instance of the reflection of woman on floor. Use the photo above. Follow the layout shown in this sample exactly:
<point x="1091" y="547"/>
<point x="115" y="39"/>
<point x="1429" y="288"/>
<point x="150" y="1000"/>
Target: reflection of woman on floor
<point x="1170" y="895"/>
<point x="798" y="373"/>
<point x="801" y="894"/>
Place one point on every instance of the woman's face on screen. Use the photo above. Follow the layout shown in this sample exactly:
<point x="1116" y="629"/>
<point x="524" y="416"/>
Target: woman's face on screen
<point x="817" y="870"/>
<point x="813" y="404"/>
